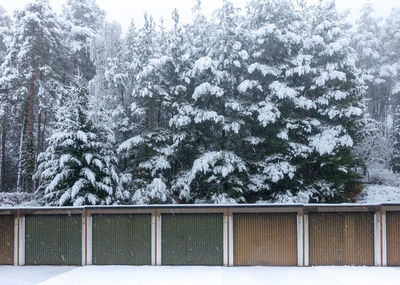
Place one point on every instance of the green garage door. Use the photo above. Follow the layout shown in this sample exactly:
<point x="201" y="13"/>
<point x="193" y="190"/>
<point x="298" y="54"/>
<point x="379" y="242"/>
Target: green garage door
<point x="122" y="239"/>
<point x="192" y="239"/>
<point x="53" y="240"/>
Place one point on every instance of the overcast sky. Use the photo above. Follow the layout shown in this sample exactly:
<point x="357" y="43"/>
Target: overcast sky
<point x="123" y="11"/>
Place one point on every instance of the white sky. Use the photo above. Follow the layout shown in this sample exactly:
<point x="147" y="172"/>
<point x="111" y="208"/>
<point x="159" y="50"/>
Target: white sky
<point x="123" y="11"/>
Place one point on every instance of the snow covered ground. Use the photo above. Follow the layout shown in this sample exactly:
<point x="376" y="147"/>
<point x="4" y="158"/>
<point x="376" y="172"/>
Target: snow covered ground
<point x="99" y="275"/>
<point x="379" y="194"/>
<point x="29" y="275"/>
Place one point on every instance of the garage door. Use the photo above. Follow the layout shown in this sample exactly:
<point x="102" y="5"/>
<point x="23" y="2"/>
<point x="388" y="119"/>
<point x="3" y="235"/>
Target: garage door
<point x="53" y="240"/>
<point x="122" y="239"/>
<point x="192" y="239"/>
<point x="265" y="239"/>
<point x="393" y="238"/>
<point x="341" y="238"/>
<point x="6" y="240"/>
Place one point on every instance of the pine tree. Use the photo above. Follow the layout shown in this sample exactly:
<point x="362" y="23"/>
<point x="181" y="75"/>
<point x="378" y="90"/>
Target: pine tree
<point x="307" y="95"/>
<point x="33" y="73"/>
<point x="267" y="100"/>
<point x="213" y="171"/>
<point x="148" y="150"/>
<point x="333" y="84"/>
<point x="82" y="21"/>
<point x="395" y="162"/>
<point x="5" y="23"/>
<point x="367" y="41"/>
<point x="391" y="45"/>
<point x="79" y="166"/>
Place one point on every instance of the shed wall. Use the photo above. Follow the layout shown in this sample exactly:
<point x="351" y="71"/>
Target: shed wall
<point x="53" y="240"/>
<point x="122" y="239"/>
<point x="6" y="240"/>
<point x="393" y="238"/>
<point x="341" y="238"/>
<point x="265" y="239"/>
<point x="192" y="239"/>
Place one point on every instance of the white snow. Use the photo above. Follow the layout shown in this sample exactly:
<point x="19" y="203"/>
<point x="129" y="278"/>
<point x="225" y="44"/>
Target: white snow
<point x="379" y="194"/>
<point x="29" y="275"/>
<point x="268" y="113"/>
<point x="248" y="84"/>
<point x="264" y="69"/>
<point x="193" y="275"/>
<point x="203" y="64"/>
<point x="330" y="139"/>
<point x="206" y="88"/>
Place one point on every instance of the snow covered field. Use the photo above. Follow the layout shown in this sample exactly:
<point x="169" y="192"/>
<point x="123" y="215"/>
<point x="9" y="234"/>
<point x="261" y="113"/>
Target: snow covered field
<point x="98" y="275"/>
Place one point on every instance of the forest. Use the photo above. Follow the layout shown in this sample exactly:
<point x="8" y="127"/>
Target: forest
<point x="279" y="102"/>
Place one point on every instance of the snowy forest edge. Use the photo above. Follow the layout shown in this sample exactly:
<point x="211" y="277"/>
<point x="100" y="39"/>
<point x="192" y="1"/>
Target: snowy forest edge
<point x="280" y="102"/>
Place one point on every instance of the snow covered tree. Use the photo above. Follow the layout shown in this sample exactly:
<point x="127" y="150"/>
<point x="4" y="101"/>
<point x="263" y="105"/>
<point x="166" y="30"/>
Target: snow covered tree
<point x="33" y="74"/>
<point x="367" y="41"/>
<point x="390" y="69"/>
<point x="302" y="75"/>
<point x="395" y="162"/>
<point x="328" y="93"/>
<point x="374" y="147"/>
<point x="213" y="172"/>
<point x="79" y="166"/>
<point x="82" y="21"/>
<point x="147" y="151"/>
<point x="5" y="23"/>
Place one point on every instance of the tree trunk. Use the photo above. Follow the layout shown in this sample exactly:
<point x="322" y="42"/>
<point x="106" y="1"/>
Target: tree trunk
<point x="75" y="66"/>
<point x="38" y="143"/>
<point x="146" y="123"/>
<point x="20" y="171"/>
<point x="122" y="96"/>
<point x="30" y="106"/>
<point x="43" y="132"/>
<point x="39" y="122"/>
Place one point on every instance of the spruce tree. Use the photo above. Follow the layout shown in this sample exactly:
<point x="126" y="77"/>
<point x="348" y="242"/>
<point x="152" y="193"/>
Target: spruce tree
<point x="79" y="165"/>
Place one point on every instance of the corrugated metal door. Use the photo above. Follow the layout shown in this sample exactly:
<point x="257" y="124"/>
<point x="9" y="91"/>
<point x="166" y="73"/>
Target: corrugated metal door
<point x="122" y="239"/>
<point x="53" y="240"/>
<point x="341" y="238"/>
<point x="6" y="240"/>
<point x="265" y="239"/>
<point x="192" y="239"/>
<point x="393" y="238"/>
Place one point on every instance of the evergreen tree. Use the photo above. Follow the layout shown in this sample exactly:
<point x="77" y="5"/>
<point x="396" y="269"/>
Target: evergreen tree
<point x="82" y="21"/>
<point x="79" y="166"/>
<point x="395" y="162"/>
<point x="33" y="73"/>
<point x="148" y="150"/>
<point x="213" y="171"/>
<point x="367" y="41"/>
<point x="5" y="23"/>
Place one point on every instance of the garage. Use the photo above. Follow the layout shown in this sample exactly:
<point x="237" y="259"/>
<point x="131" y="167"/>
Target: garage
<point x="393" y="238"/>
<point x="265" y="239"/>
<point x="6" y="239"/>
<point x="344" y="238"/>
<point x="192" y="239"/>
<point x="53" y="240"/>
<point x="122" y="239"/>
